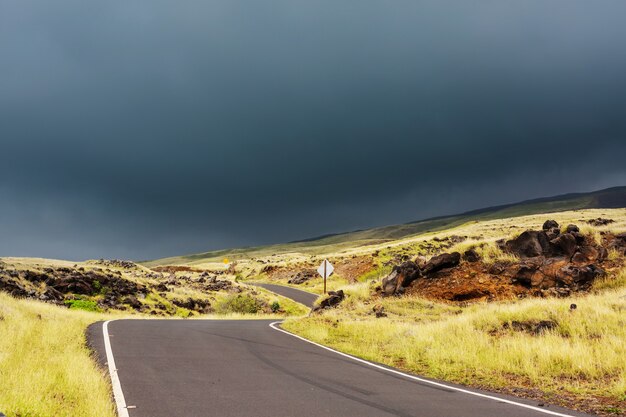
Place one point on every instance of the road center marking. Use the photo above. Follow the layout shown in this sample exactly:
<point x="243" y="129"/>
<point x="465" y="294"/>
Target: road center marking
<point x="122" y="410"/>
<point x="426" y="381"/>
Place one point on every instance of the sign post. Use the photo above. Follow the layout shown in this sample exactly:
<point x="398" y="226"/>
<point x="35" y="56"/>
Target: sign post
<point x="325" y="270"/>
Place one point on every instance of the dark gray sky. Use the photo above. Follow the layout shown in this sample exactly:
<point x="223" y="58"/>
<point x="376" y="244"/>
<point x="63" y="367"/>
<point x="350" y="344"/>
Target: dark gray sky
<point x="142" y="129"/>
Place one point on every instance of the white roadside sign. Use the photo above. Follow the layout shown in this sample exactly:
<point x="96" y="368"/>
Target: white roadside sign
<point x="326" y="269"/>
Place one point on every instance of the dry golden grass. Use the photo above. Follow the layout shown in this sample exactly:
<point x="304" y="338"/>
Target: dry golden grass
<point x="583" y="356"/>
<point x="45" y="366"/>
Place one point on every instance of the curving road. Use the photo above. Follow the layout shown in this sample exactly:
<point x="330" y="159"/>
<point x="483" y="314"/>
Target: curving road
<point x="238" y="368"/>
<point x="300" y="296"/>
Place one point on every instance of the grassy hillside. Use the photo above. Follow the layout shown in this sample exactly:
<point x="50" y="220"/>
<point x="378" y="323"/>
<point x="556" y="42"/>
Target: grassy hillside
<point x="529" y="343"/>
<point x="609" y="198"/>
<point x="579" y="364"/>
<point x="123" y="286"/>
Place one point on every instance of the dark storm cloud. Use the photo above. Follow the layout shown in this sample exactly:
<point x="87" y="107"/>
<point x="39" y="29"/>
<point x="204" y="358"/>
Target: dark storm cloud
<point x="143" y="129"/>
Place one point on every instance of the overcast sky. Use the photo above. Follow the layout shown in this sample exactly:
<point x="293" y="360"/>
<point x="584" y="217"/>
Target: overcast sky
<point x="142" y="129"/>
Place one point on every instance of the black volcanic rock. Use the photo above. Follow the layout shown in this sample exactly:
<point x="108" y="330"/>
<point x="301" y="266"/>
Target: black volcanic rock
<point x="439" y="262"/>
<point x="529" y="244"/>
<point x="550" y="224"/>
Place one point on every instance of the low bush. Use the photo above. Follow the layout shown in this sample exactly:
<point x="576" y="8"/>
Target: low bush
<point x="240" y="303"/>
<point x="86" y="305"/>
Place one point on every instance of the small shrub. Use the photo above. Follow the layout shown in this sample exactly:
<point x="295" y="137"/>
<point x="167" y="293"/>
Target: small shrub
<point x="275" y="307"/>
<point x="239" y="303"/>
<point x="183" y="313"/>
<point x="86" y="305"/>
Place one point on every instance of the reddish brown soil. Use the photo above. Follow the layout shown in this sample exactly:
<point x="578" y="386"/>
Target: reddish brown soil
<point x="470" y="281"/>
<point x="480" y="282"/>
<point x="353" y="268"/>
<point x="348" y="268"/>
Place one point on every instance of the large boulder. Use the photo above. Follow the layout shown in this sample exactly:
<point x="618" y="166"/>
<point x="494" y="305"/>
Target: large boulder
<point x="550" y="224"/>
<point x="439" y="262"/>
<point x="471" y="255"/>
<point x="565" y="244"/>
<point x="553" y="233"/>
<point x="332" y="300"/>
<point x="572" y="228"/>
<point x="580" y="238"/>
<point x="586" y="254"/>
<point x="400" y="277"/>
<point x="391" y="283"/>
<point x="529" y="244"/>
<point x="526" y="274"/>
<point x="579" y="275"/>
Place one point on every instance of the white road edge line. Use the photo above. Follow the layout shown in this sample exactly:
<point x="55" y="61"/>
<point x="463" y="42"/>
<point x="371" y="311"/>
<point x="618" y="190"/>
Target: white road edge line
<point x="120" y="402"/>
<point x="415" y="378"/>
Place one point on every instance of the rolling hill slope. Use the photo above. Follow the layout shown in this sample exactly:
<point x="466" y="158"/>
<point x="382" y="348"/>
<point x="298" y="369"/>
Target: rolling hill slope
<point x="608" y="198"/>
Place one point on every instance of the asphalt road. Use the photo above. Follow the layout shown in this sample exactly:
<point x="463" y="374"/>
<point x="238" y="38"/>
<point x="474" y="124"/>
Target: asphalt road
<point x="300" y="296"/>
<point x="228" y="368"/>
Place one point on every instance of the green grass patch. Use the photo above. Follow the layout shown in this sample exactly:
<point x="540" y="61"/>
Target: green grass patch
<point x="239" y="303"/>
<point x="85" y="305"/>
<point x="375" y="274"/>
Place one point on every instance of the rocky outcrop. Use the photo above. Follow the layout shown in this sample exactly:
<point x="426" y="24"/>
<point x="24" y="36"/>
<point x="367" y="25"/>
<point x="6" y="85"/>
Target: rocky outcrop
<point x="600" y="221"/>
<point x="565" y="244"/>
<point x="550" y="224"/>
<point x="533" y="327"/>
<point x="529" y="244"/>
<point x="551" y="243"/>
<point x="194" y="304"/>
<point x="215" y="284"/>
<point x="111" y="288"/>
<point x="332" y="300"/>
<point x="404" y="274"/>
<point x="439" y="262"/>
<point x="400" y="277"/>
<point x="117" y="263"/>
<point x="550" y="263"/>
<point x="302" y="277"/>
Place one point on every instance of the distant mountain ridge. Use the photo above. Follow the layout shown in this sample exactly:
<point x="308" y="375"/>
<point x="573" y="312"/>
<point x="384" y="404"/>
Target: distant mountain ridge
<point x="614" y="197"/>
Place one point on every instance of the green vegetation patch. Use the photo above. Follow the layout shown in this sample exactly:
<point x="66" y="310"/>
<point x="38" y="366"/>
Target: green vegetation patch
<point x="86" y="305"/>
<point x="239" y="303"/>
